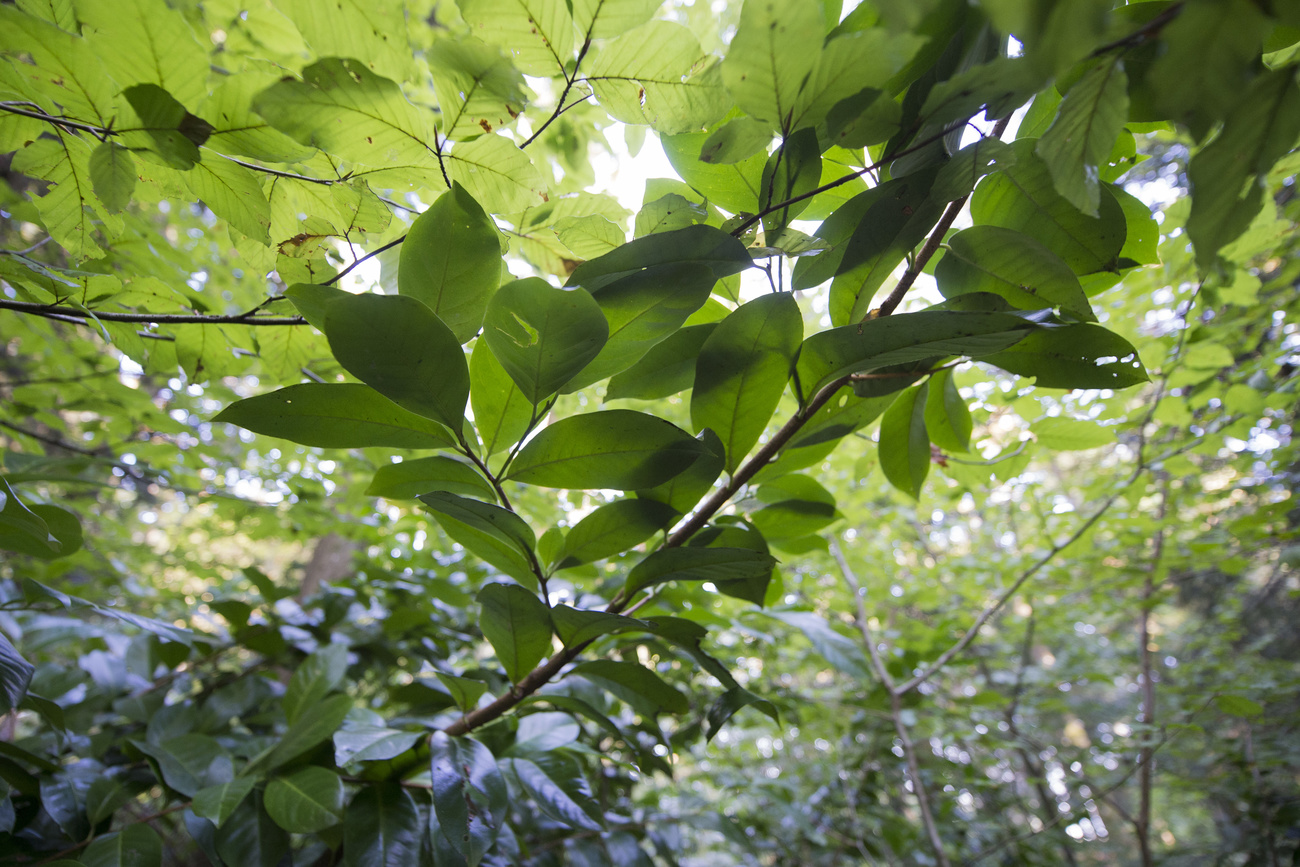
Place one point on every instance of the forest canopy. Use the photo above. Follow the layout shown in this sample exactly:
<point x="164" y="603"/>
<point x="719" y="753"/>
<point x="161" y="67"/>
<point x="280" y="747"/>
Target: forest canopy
<point x="904" y="477"/>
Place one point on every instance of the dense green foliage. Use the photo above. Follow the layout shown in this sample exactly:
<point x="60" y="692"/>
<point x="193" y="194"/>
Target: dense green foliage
<point x="906" y="490"/>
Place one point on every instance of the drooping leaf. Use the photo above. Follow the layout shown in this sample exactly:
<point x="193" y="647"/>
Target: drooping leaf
<point x="836" y="648"/>
<point x="517" y="625"/>
<point x="731" y="701"/>
<point x="497" y="535"/>
<point x="409" y="479"/>
<point x="904" y="442"/>
<point x="618" y="449"/>
<point x="175" y="132"/>
<point x="742" y="370"/>
<point x="685" y="489"/>
<point x="64" y="161"/>
<point x="792" y="171"/>
<point x="667" y="368"/>
<point x="947" y="418"/>
<point x="15" y="675"/>
<point x="306" y="801"/>
<point x="319" y="673"/>
<point x="501" y="411"/>
<point x="234" y="194"/>
<point x="612" y="529"/>
<point x="575" y="626"/>
<point x="638" y="680"/>
<point x="1073" y="356"/>
<point x="698" y="564"/>
<point x="1080" y="139"/>
<point x="553" y="800"/>
<point x="451" y="261"/>
<point x="710" y="247"/>
<point x="470" y="797"/>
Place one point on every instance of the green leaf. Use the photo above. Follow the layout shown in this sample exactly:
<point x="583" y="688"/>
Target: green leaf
<point x="667" y="368"/>
<point x="250" y="837"/>
<point x="793" y="170"/>
<point x="685" y="489"/>
<point x="1024" y="197"/>
<point x="134" y="846"/>
<point x="145" y="41"/>
<point x="836" y="648"/>
<point x="1227" y="174"/>
<point x="377" y="743"/>
<point x="618" y="449"/>
<point x="382" y="828"/>
<point x="1068" y="434"/>
<point x="219" y="801"/>
<point x="517" y="625"/>
<point x="497" y="174"/>
<point x="398" y="347"/>
<point x="1091" y="116"/>
<point x="658" y="75"/>
<point x="501" y="412"/>
<point x="577" y="626"/>
<point x="698" y="564"/>
<point x="638" y="680"/>
<point x="64" y="161"/>
<point x="176" y="134"/>
<point x="736" y="140"/>
<point x="947" y="418"/>
<point x="731" y="186"/>
<point x="408" y="479"/>
<point x="772" y="54"/>
<point x="343" y="108"/>
<point x="713" y="248"/>
<point x="318" y="726"/>
<point x="17" y="518"/>
<point x="65" y="68"/>
<point x="470" y="797"/>
<point x="904" y="443"/>
<point x="1074" y="356"/>
<point x="1238" y="705"/>
<point x="1013" y="266"/>
<point x="613" y="529"/>
<point x="543" y="335"/>
<point x="237" y="129"/>
<point x="901" y="338"/>
<point x="112" y="172"/>
<point x="537" y="34"/>
<point x="589" y="236"/>
<point x="451" y="261"/>
<point x="335" y="415"/>
<point x="865" y="118"/>
<point x="959" y="175"/>
<point x="15" y="675"/>
<point x="306" y="801"/>
<point x="549" y="796"/>
<point x="731" y="701"/>
<point x="464" y="691"/>
<point x="847" y="65"/>
<point x="234" y="194"/>
<point x="374" y="30"/>
<point x="601" y="19"/>
<point x="668" y="213"/>
<point x="478" y="89"/>
<point x="495" y="535"/>
<point x="315" y="678"/>
<point x="742" y="371"/>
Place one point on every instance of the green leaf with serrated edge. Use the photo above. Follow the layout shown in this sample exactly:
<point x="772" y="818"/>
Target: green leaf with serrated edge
<point x="1060" y="433"/>
<point x="112" y="173"/>
<point x="372" y="743"/>
<point x="495" y="535"/>
<point x="15" y="675"/>
<point x="1024" y="198"/>
<point x="306" y="801"/>
<point x="501" y="412"/>
<point x="726" y="705"/>
<point x="601" y="19"/>
<point x="589" y="236"/>
<point x="234" y="194"/>
<point x="836" y="648"/>
<point x="134" y="846"/>
<point x="409" y="479"/>
<point x="794" y="169"/>
<point x="58" y="12"/>
<point x="1226" y="174"/>
<point x="658" y="75"/>
<point x="770" y="57"/>
<point x="575" y="626"/>
<point x="897" y="221"/>
<point x="698" y="564"/>
<point x="736" y="140"/>
<point x="848" y="65"/>
<point x="612" y="529"/>
<point x="742" y="370"/>
<point x="901" y="338"/>
<point x="478" y="89"/>
<point x="1073" y="356"/>
<point x="451" y="261"/>
<point x="667" y="214"/>
<point x="374" y="30"/>
<point x="337" y="416"/>
<point x="542" y="335"/>
<point x="550" y="798"/>
<point x="959" y="175"/>
<point x="496" y="173"/>
<point x="145" y="41"/>
<point x="382" y="828"/>
<point x="618" y="449"/>
<point x="64" y="161"/>
<point x="398" y="347"/>
<point x="220" y="801"/>
<point x="947" y="418"/>
<point x="65" y="68"/>
<point x="1089" y="119"/>
<point x="537" y="34"/>
<point x="713" y="248"/>
<point x="465" y="692"/>
<point x="309" y="731"/>
<point x="314" y="679"/>
<point x="904" y="442"/>
<point x="517" y="625"/>
<point x="175" y="132"/>
<point x="343" y="108"/>
<point x="238" y="130"/>
<point x="637" y="679"/>
<point x="666" y="369"/>
<point x="733" y="187"/>
<point x="1012" y="265"/>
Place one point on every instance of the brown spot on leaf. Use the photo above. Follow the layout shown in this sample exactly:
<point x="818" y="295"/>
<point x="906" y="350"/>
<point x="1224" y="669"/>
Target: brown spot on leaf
<point x="487" y="127"/>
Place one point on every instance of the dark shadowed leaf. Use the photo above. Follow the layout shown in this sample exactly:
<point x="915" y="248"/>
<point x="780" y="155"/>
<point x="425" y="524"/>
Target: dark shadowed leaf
<point x="518" y="626"/>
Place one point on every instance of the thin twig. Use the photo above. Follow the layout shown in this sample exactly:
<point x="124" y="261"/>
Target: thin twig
<point x="373" y="253"/>
<point x="53" y="311"/>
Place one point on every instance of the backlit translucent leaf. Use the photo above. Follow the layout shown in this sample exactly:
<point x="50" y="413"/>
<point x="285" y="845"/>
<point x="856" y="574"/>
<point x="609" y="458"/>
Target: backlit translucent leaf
<point x="1080" y="139"/>
<point x="112" y="174"/>
<point x="773" y="52"/>
<point x="67" y="69"/>
<point x="732" y="186"/>
<point x="238" y="130"/>
<point x="234" y="194"/>
<point x="602" y="19"/>
<point x="538" y="34"/>
<point x="517" y="625"/>
<point x="64" y="161"/>
<point x="669" y="367"/>
<point x="478" y="90"/>
<point x="1013" y="266"/>
<point x="501" y="411"/>
<point x="496" y="173"/>
<point x="847" y="65"/>
<point x="947" y="418"/>
<point x="904" y="443"/>
<point x="372" y="31"/>
<point x="147" y="42"/>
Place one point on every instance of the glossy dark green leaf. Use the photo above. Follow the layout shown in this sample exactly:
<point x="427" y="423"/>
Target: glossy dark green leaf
<point x="451" y="261"/>
<point x="730" y="532"/>
<point x="337" y="416"/>
<point x="306" y="801"/>
<point x="17" y="518"/>
<point x="15" y="675"/>
<point x="250" y="837"/>
<point x="667" y="368"/>
<point x="1023" y="197"/>
<point x="901" y="338"/>
<point x="372" y="743"/>
<point x="497" y="535"/>
<point x="793" y="170"/>
<point x="947" y="418"/>
<point x="613" y="529"/>
<point x="1074" y="356"/>
<point x="188" y="762"/>
<point x="218" y="802"/>
<point x="398" y="347"/>
<point x="518" y="626"/>
<point x="617" y="448"/>
<point x="553" y="800"/>
<point x="1226" y="174"/>
<point x="542" y="335"/>
<point x="501" y="412"/>
<point x="904" y="442"/>
<point x="313" y="680"/>
<point x="686" y="489"/>
<point x="698" y="564"/>
<point x="1012" y="265"/>
<point x="469" y="795"/>
<point x="636" y="679"/>
<point x="382" y="828"/>
<point x="409" y="479"/>
<point x="176" y="134"/>
<point x="842" y="415"/>
<point x="64" y="534"/>
<point x="1089" y="119"/>
<point x="576" y="626"/>
<point x="742" y="370"/>
<point x="712" y="248"/>
<point x="726" y="705"/>
<point x="135" y="845"/>
<point x="309" y="731"/>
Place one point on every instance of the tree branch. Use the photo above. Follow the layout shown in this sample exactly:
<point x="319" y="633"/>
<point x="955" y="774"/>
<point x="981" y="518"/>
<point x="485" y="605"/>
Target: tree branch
<point x="54" y="311"/>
